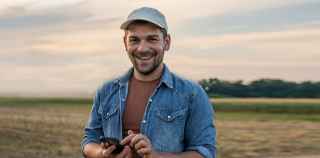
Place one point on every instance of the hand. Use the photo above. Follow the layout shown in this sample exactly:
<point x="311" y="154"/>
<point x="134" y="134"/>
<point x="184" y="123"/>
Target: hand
<point x="106" y="151"/>
<point x="140" y="143"/>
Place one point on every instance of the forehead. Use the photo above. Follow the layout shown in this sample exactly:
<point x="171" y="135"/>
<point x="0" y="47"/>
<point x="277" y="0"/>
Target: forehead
<point x="143" y="29"/>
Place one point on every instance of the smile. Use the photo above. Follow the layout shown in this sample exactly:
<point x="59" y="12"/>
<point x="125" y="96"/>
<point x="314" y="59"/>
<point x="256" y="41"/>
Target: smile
<point x="144" y="58"/>
<point x="147" y="57"/>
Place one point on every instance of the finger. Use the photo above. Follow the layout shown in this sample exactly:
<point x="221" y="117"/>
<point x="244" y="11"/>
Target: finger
<point x="144" y="151"/>
<point x="127" y="139"/>
<point x="137" y="138"/>
<point x="104" y="145"/>
<point x="124" y="153"/>
<point x="141" y="144"/>
<point x="130" y="153"/>
<point x="107" y="152"/>
<point x="130" y="132"/>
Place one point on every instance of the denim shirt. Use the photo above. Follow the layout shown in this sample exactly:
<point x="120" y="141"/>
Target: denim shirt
<point x="178" y="116"/>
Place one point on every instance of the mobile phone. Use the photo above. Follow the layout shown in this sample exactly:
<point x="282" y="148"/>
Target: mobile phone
<point x="113" y="141"/>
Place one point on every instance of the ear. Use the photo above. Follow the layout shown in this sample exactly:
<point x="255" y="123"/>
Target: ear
<point x="125" y="43"/>
<point x="167" y="42"/>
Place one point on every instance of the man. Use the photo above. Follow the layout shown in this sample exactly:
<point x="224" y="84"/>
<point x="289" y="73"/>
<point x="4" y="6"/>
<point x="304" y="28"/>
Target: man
<point x="151" y="110"/>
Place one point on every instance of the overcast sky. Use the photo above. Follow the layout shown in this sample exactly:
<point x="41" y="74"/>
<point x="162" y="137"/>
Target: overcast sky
<point x="70" y="47"/>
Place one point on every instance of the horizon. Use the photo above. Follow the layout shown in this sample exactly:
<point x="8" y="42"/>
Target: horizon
<point x="82" y="95"/>
<point x="69" y="48"/>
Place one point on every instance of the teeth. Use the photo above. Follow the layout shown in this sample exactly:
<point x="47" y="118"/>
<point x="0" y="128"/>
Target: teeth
<point x="144" y="58"/>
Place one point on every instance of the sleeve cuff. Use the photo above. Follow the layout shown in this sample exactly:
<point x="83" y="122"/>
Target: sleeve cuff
<point x="86" y="141"/>
<point x="202" y="150"/>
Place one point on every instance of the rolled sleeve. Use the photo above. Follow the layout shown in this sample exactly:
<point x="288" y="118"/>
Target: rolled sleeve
<point x="93" y="129"/>
<point x="200" y="133"/>
<point x="204" y="151"/>
<point x="90" y="137"/>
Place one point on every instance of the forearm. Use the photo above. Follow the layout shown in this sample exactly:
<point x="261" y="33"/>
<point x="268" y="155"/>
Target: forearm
<point x="92" y="150"/>
<point x="187" y="154"/>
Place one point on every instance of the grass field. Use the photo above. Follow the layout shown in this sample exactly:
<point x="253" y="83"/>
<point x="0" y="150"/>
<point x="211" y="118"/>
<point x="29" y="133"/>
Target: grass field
<point x="51" y="128"/>
<point x="297" y="106"/>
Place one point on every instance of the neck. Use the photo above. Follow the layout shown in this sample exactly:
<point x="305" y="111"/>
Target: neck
<point x="156" y="74"/>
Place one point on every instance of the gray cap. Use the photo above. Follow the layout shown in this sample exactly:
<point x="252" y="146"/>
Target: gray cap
<point x="146" y="14"/>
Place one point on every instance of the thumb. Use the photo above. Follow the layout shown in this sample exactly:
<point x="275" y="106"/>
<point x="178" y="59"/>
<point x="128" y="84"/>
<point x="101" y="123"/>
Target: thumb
<point x="130" y="132"/>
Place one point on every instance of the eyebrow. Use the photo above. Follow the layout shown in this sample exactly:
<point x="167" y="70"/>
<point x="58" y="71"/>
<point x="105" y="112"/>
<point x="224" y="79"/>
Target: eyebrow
<point x="145" y="36"/>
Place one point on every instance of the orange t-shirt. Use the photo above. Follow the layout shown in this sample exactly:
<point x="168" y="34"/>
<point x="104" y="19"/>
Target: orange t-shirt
<point x="138" y="95"/>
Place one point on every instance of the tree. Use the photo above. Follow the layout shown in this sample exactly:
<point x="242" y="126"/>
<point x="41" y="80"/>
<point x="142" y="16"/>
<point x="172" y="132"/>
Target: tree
<point x="274" y="88"/>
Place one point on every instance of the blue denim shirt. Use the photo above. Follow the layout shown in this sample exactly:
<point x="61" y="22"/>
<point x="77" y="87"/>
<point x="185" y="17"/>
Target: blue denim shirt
<point x="178" y="116"/>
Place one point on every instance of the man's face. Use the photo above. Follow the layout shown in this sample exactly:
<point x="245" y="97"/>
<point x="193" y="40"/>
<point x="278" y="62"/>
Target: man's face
<point x="145" y="45"/>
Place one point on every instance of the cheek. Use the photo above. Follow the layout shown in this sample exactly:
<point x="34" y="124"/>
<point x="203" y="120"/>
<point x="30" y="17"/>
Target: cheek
<point x="130" y="54"/>
<point x="130" y="51"/>
<point x="129" y="48"/>
<point x="160" y="51"/>
<point x="159" y="48"/>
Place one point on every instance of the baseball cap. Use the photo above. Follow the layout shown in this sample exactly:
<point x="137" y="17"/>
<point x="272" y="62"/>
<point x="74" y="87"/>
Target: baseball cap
<point x="151" y="15"/>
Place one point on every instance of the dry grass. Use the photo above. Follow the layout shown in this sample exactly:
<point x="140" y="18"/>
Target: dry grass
<point x="56" y="131"/>
<point x="46" y="132"/>
<point x="291" y="106"/>
<point x="267" y="100"/>
<point x="253" y="139"/>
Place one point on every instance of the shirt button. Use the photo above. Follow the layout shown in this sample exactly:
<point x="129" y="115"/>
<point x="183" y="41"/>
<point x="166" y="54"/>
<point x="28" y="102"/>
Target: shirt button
<point x="144" y="121"/>
<point x="108" y="114"/>
<point x="169" y="117"/>
<point x="123" y="100"/>
<point x="150" y="100"/>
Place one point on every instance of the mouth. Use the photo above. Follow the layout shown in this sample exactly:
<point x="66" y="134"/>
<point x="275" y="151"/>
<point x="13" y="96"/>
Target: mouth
<point x="144" y="57"/>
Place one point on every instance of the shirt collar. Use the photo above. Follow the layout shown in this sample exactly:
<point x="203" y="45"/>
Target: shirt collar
<point x="166" y="77"/>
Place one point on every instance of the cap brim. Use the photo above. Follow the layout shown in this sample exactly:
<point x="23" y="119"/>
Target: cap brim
<point x="125" y="25"/>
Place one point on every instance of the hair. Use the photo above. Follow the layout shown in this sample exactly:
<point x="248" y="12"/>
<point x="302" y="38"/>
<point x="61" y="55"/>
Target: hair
<point x="142" y="22"/>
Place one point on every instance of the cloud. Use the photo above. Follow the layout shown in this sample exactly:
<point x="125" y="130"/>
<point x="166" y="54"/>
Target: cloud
<point x="35" y="13"/>
<point x="71" y="47"/>
<point x="79" y="79"/>
<point x="253" y="21"/>
<point x="24" y="18"/>
<point x="295" y="39"/>
<point x="37" y="4"/>
<point x="89" y="42"/>
<point x="288" y="54"/>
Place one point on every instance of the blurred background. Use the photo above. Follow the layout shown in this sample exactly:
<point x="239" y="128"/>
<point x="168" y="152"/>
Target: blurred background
<point x="258" y="61"/>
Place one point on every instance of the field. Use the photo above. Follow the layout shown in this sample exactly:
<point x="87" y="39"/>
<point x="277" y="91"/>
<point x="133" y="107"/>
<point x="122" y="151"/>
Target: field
<point x="247" y="128"/>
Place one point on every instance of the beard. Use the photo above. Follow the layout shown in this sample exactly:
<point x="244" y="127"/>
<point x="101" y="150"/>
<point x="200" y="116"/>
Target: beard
<point x="146" y="62"/>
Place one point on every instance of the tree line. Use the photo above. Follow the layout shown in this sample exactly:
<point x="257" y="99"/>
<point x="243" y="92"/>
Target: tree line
<point x="272" y="88"/>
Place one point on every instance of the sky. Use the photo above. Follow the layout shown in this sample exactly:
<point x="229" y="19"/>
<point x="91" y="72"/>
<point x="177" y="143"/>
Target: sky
<point x="70" y="47"/>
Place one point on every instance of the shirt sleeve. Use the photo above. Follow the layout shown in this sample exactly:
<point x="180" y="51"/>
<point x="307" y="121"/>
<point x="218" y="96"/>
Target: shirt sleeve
<point x="93" y="129"/>
<point x="200" y="131"/>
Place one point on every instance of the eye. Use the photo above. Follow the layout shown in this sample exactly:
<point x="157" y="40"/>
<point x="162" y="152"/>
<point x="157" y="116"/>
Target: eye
<point x="153" y="39"/>
<point x="133" y="40"/>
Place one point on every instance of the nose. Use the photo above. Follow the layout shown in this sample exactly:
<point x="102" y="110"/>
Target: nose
<point x="143" y="46"/>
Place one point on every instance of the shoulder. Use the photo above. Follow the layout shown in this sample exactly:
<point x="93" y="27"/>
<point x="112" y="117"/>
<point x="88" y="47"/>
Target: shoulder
<point x="108" y="86"/>
<point x="185" y="85"/>
<point x="194" y="93"/>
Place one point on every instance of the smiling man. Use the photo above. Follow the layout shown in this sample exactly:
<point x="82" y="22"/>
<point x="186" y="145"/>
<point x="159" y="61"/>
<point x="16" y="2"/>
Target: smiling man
<point x="153" y="112"/>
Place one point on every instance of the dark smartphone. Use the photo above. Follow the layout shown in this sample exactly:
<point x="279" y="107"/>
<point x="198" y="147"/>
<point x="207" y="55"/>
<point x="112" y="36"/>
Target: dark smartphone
<point x="113" y="141"/>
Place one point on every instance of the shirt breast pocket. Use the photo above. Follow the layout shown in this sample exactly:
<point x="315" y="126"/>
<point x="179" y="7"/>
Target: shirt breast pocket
<point x="110" y="113"/>
<point x="168" y="115"/>
<point x="170" y="129"/>
<point x="111" y="122"/>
